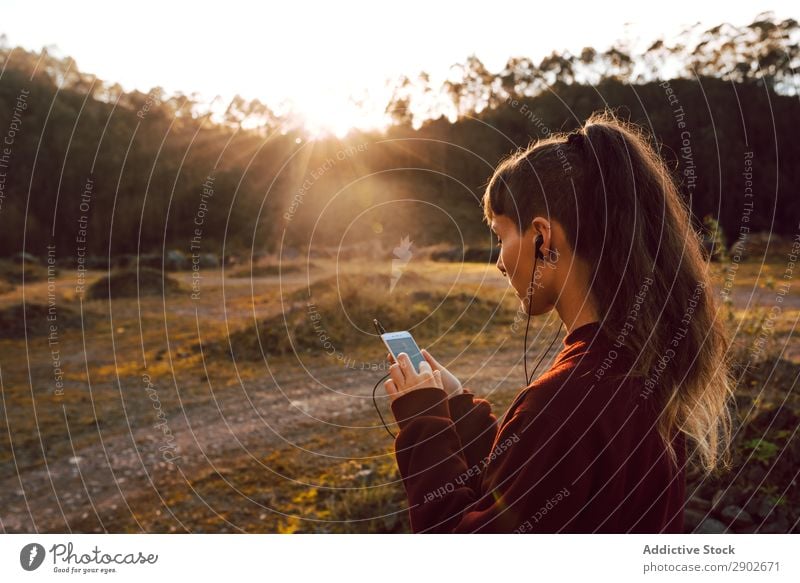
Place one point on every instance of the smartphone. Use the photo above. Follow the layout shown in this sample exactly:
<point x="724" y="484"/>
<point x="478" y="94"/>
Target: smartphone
<point x="398" y="342"/>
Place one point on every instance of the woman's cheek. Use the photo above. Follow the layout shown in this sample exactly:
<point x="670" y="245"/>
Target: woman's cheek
<point x="511" y="262"/>
<point x="515" y="261"/>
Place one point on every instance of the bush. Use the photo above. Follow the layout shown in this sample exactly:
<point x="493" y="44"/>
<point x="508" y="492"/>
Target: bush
<point x="714" y="239"/>
<point x="12" y="273"/>
<point x="130" y="284"/>
<point x="18" y="319"/>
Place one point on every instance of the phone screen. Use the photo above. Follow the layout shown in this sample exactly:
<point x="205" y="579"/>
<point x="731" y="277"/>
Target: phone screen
<point x="403" y="342"/>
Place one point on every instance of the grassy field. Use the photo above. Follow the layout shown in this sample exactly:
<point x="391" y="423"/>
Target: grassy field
<point x="233" y="404"/>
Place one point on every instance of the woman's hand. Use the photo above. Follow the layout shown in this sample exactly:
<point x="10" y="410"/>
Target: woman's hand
<point x="405" y="379"/>
<point x="450" y="383"/>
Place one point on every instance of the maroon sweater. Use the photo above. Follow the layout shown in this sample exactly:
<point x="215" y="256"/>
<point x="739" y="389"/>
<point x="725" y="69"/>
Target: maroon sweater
<point x="572" y="454"/>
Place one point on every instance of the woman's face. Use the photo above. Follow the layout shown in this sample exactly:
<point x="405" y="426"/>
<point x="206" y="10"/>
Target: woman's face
<point x="517" y="258"/>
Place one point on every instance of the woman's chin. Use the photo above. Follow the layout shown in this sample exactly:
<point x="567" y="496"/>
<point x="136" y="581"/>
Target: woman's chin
<point x="535" y="311"/>
<point x="523" y="306"/>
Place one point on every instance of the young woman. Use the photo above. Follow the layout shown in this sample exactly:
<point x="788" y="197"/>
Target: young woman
<point x="591" y="224"/>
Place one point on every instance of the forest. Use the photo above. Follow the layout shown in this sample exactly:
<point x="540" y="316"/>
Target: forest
<point x="98" y="173"/>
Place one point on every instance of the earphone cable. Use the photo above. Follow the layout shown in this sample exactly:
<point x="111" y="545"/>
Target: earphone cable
<point x="375" y="402"/>
<point x="528" y="309"/>
<point x="528" y="379"/>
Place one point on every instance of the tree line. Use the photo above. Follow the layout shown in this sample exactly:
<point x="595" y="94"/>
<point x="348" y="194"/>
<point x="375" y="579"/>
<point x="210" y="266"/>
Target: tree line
<point x="94" y="170"/>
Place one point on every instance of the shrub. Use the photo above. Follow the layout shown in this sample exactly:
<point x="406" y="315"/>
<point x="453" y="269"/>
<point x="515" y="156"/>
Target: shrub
<point x="130" y="284"/>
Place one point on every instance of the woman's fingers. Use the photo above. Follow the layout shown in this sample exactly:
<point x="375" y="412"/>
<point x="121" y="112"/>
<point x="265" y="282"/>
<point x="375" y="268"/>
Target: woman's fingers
<point x="397" y="376"/>
<point x="405" y="378"/>
<point x="405" y="364"/>
<point x="425" y="368"/>
<point x="429" y="358"/>
<point x="391" y="389"/>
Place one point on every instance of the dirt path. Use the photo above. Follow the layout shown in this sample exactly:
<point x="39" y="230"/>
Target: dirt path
<point x="98" y="482"/>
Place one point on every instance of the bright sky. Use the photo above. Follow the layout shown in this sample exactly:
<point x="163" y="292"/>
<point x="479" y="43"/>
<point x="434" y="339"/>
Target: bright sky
<point x="318" y="54"/>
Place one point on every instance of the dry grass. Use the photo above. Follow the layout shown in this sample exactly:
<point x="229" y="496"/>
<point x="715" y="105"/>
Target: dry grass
<point x="290" y="443"/>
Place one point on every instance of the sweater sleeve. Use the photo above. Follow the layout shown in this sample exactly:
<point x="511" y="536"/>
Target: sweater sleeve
<point x="475" y="424"/>
<point x="535" y="478"/>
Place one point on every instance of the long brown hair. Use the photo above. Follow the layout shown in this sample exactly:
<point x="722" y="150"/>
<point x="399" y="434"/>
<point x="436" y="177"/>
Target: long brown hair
<point x="623" y="214"/>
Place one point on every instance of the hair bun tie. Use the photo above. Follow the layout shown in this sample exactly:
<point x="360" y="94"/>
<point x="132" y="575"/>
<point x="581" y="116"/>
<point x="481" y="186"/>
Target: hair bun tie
<point x="575" y="139"/>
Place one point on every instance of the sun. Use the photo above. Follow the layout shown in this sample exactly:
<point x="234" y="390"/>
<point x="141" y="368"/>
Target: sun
<point x="331" y="113"/>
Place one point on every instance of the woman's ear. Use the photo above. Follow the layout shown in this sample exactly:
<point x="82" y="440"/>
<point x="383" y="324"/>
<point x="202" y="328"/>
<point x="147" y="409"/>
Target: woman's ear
<point x="541" y="228"/>
<point x="547" y="250"/>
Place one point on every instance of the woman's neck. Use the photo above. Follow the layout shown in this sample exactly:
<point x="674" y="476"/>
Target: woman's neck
<point x="575" y="310"/>
<point x="575" y="304"/>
